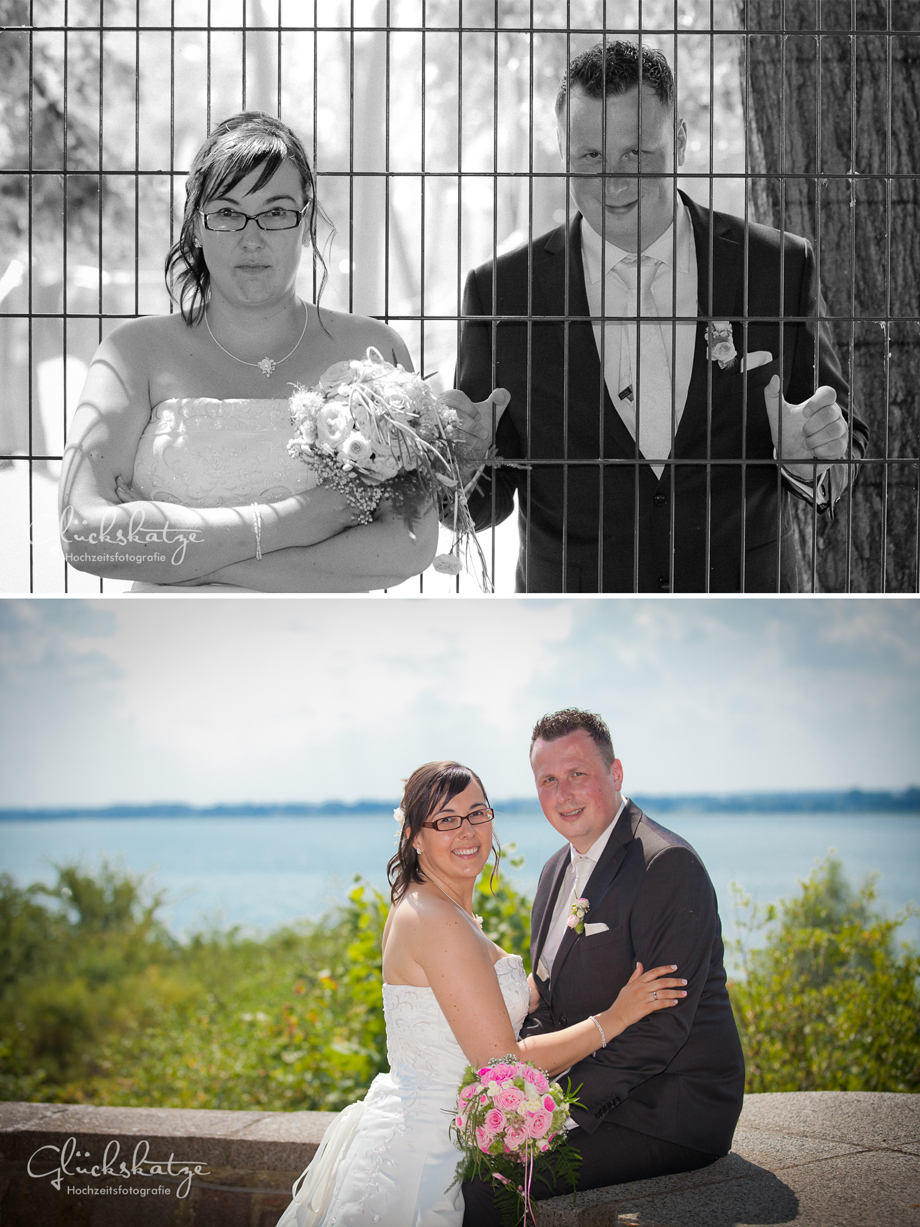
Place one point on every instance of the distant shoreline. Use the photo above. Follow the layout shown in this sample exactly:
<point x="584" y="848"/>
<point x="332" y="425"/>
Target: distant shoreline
<point x="852" y="801"/>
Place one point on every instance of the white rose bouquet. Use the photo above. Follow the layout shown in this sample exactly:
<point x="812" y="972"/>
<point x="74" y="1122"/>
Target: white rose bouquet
<point x="373" y="430"/>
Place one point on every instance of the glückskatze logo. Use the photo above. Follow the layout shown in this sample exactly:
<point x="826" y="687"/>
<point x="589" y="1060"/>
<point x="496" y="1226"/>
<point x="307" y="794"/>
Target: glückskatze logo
<point x="133" y="534"/>
<point x="60" y="1162"/>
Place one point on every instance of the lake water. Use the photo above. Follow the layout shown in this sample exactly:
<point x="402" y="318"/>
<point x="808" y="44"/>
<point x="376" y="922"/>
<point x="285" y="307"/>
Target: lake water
<point x="264" y="872"/>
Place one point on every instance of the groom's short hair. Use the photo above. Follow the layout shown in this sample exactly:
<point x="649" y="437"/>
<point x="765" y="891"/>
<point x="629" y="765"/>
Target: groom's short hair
<point x="611" y="68"/>
<point x="573" y="720"/>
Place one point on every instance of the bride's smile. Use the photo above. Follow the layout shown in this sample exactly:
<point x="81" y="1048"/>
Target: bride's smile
<point x="446" y="849"/>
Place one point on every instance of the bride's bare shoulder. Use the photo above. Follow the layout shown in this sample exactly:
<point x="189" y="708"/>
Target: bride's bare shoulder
<point x="356" y="333"/>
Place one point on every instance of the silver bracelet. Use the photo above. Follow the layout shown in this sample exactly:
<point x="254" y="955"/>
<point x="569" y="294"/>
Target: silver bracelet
<point x="257" y="527"/>
<point x="601" y="1029"/>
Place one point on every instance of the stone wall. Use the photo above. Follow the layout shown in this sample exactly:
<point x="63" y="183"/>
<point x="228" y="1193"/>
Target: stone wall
<point x="200" y="1168"/>
<point x="815" y="1159"/>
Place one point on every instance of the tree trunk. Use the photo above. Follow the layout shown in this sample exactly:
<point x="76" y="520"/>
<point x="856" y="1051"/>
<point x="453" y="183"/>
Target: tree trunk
<point x="831" y="97"/>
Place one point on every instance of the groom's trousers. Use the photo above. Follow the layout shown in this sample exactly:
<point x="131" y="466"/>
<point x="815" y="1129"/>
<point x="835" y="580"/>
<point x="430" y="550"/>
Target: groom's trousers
<point x="610" y="1155"/>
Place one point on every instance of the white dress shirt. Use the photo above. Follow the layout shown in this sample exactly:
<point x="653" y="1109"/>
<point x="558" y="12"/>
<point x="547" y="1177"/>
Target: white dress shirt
<point x="608" y="297"/>
<point x="577" y="873"/>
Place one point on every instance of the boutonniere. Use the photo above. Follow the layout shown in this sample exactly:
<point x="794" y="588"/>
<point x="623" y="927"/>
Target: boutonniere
<point x="579" y="911"/>
<point x="720" y="346"/>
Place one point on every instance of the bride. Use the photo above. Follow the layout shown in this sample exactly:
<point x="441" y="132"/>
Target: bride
<point x="450" y="996"/>
<point x="176" y="474"/>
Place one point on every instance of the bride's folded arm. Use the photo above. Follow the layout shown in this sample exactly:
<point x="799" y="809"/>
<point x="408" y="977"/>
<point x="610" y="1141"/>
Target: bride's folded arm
<point x="362" y="559"/>
<point x="459" y="969"/>
<point x="143" y="539"/>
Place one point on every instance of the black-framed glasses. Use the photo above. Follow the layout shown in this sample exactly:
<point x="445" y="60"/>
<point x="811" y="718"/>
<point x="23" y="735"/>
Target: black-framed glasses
<point x="270" y="219"/>
<point x="453" y="822"/>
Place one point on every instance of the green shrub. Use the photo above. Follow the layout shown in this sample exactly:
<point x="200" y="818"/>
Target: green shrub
<point x="830" y="1002"/>
<point x="98" y="1004"/>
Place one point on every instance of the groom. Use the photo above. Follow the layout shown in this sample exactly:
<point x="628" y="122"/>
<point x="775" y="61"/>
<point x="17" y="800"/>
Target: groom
<point x="645" y="458"/>
<point x="664" y="1096"/>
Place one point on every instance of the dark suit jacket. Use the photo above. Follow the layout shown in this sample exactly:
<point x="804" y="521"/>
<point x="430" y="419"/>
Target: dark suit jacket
<point x="679" y="1073"/>
<point x="707" y="524"/>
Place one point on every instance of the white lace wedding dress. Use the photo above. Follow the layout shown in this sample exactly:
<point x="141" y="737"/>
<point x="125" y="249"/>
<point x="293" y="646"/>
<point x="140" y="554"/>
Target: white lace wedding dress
<point x="203" y="452"/>
<point x="389" y="1159"/>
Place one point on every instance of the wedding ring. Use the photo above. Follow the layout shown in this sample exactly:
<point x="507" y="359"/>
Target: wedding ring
<point x="655" y="995"/>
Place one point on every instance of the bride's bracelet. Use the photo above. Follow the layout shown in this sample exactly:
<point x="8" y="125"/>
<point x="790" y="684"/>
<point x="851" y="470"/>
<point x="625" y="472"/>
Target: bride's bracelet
<point x="601" y="1029"/>
<point x="257" y="528"/>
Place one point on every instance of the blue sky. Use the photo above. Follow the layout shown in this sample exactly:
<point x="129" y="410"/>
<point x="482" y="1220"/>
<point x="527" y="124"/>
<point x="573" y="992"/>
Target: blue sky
<point x="205" y="700"/>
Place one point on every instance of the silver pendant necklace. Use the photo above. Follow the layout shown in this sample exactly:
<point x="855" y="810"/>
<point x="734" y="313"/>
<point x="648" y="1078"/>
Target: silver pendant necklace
<point x="266" y="365"/>
<point x="472" y="915"/>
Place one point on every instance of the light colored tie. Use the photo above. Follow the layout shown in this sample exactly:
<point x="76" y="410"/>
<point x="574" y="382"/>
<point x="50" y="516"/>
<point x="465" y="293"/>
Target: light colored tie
<point x="648" y="387"/>
<point x="582" y="867"/>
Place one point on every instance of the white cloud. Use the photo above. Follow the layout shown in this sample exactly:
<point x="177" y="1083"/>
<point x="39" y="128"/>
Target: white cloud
<point x="207" y="700"/>
<point x="213" y="683"/>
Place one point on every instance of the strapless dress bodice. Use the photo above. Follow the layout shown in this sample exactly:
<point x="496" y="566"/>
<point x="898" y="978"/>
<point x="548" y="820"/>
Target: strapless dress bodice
<point x="419" y="1039"/>
<point x="203" y="452"/>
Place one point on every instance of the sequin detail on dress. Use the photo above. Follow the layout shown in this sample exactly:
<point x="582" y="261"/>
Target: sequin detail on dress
<point x="204" y="452"/>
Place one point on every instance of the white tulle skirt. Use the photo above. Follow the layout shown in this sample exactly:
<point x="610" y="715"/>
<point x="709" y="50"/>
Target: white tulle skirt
<point x="386" y="1160"/>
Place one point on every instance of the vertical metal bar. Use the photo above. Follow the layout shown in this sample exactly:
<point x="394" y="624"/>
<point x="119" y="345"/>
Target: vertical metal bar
<point x="638" y="374"/>
<point x="708" y="314"/>
<point x="782" y="291"/>
<point x="851" y="472"/>
<point x="707" y="548"/>
<point x="602" y="324"/>
<point x="819" y="166"/>
<point x="315" y="112"/>
<point x="423" y="151"/>
<point x="387" y="171"/>
<point x="278" y="102"/>
<point x="566" y="330"/>
<point x="172" y="112"/>
<point x="676" y="204"/>
<point x="746" y="287"/>
<point x="422" y="164"/>
<point x="30" y="273"/>
<point x="137" y="155"/>
<point x="65" y="224"/>
<point x="459" y="196"/>
<point x="244" y="51"/>
<point x="207" y="74"/>
<point x="351" y="159"/>
<point x="886" y="414"/>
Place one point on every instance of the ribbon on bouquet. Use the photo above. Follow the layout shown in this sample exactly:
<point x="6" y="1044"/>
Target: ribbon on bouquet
<point x="523" y="1189"/>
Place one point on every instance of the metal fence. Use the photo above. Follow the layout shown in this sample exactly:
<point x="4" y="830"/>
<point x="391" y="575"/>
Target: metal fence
<point x="431" y="127"/>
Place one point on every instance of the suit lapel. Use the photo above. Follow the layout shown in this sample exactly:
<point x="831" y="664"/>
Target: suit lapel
<point x="605" y="871"/>
<point x="717" y="299"/>
<point x="548" y="903"/>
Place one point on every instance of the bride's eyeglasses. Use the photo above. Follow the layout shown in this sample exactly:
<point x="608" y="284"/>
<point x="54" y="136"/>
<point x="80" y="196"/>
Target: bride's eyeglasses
<point x="271" y="219"/>
<point x="453" y="822"/>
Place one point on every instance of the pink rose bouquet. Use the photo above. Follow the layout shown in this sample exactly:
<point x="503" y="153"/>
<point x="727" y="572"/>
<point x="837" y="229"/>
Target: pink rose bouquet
<point x="373" y="430"/>
<point x="510" y="1121"/>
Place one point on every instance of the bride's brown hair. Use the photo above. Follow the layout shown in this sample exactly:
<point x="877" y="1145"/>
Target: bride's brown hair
<point x="425" y="791"/>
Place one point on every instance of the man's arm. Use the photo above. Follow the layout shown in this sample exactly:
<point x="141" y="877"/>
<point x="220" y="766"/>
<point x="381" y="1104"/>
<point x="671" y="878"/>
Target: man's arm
<point x="491" y="499"/>
<point x="811" y="425"/>
<point x="673" y="920"/>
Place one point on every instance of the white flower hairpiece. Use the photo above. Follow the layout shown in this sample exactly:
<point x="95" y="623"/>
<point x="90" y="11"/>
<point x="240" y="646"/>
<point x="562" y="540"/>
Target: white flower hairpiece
<point x="399" y="816"/>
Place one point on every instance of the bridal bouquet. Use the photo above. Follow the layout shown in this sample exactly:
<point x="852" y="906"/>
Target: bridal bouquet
<point x="510" y="1122"/>
<point x="372" y="431"/>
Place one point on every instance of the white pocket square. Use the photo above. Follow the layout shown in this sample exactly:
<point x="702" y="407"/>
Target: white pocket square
<point x="598" y="928"/>
<point x="760" y="357"/>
